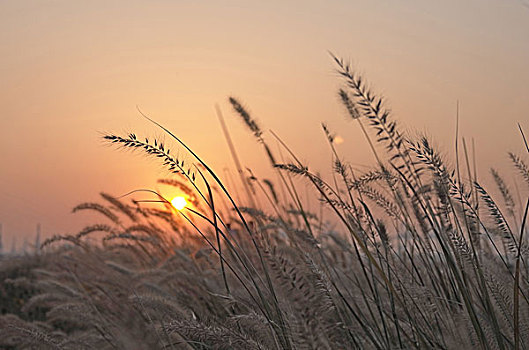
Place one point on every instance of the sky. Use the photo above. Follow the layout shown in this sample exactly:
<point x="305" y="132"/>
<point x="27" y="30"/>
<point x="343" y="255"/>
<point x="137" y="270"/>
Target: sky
<point x="75" y="70"/>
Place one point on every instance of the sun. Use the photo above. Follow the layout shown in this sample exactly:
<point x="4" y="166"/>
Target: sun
<point x="179" y="202"/>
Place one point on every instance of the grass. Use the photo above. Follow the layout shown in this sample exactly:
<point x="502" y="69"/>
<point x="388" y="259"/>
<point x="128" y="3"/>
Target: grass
<point x="414" y="254"/>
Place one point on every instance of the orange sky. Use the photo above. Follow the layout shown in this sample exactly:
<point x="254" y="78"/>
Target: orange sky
<point x="72" y="70"/>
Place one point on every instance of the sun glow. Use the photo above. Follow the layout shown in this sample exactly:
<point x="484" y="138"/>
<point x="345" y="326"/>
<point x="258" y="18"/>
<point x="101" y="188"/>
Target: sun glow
<point x="179" y="202"/>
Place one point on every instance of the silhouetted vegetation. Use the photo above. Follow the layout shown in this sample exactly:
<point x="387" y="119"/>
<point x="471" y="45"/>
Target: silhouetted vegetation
<point x="412" y="254"/>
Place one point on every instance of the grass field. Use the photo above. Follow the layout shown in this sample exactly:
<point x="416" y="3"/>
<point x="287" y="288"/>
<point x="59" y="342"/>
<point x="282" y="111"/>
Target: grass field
<point x="413" y="254"/>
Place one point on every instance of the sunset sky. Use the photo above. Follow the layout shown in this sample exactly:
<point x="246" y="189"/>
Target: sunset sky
<point x="73" y="70"/>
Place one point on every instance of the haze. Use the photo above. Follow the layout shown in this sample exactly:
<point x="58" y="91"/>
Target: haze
<point x="72" y="70"/>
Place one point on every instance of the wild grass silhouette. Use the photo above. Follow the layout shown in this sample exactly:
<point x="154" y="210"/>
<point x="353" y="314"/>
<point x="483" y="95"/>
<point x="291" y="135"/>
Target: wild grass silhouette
<point x="421" y="256"/>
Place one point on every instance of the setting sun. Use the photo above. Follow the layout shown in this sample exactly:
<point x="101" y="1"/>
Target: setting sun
<point x="179" y="202"/>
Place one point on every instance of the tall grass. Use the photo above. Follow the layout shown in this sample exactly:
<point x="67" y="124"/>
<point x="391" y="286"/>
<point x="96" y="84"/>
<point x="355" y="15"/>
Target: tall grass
<point x="416" y="254"/>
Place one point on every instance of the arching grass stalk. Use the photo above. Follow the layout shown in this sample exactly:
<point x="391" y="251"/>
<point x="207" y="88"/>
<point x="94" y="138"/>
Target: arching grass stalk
<point x="282" y="332"/>
<point x="177" y="167"/>
<point x="217" y="230"/>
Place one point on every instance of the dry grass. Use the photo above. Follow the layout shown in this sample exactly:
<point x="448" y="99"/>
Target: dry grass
<point x="416" y="255"/>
